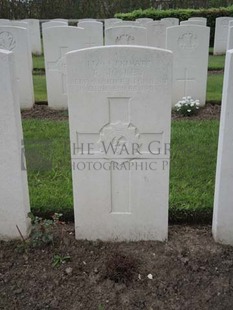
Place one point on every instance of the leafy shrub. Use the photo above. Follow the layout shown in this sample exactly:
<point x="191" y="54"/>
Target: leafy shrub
<point x="181" y="14"/>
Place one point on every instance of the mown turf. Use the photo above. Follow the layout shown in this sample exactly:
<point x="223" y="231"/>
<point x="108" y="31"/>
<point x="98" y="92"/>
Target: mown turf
<point x="193" y="163"/>
<point x="40" y="91"/>
<point x="216" y="62"/>
<point x="214" y="87"/>
<point x="38" y="62"/>
<point x="193" y="159"/>
<point x="48" y="163"/>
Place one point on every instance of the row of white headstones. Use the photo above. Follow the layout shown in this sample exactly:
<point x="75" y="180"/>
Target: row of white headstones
<point x="119" y="100"/>
<point x="188" y="42"/>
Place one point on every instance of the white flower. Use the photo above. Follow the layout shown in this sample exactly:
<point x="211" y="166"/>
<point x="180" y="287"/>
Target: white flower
<point x="150" y="276"/>
<point x="188" y="111"/>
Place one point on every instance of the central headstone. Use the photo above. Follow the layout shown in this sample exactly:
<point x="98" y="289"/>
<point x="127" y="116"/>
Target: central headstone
<point x="119" y="100"/>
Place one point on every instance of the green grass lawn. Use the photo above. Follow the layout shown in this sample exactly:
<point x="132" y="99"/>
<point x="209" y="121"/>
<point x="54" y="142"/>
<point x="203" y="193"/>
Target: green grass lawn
<point x="48" y="164"/>
<point x="38" y="62"/>
<point x="214" y="87"/>
<point x="193" y="163"/>
<point x="216" y="62"/>
<point x="193" y="159"/>
<point x="40" y="91"/>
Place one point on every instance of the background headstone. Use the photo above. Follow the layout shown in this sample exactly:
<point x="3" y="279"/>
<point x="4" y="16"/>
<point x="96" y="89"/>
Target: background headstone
<point x="57" y="42"/>
<point x="110" y="21"/>
<point x="51" y="24"/>
<point x="170" y="21"/>
<point x="193" y="22"/>
<point x="14" y="197"/>
<point x="35" y="38"/>
<point x="203" y="19"/>
<point x="230" y="39"/>
<point x="4" y="21"/>
<point x="190" y="47"/>
<point x="126" y="35"/>
<point x="94" y="30"/>
<point x="15" y="39"/>
<point x="120" y="95"/>
<point x="156" y="34"/>
<point x="127" y="23"/>
<point x="144" y="21"/>
<point x="221" y="33"/>
<point x="223" y="200"/>
<point x="60" y="20"/>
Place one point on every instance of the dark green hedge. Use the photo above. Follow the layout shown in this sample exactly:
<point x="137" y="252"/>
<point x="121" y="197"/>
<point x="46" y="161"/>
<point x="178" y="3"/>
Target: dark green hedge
<point x="182" y="14"/>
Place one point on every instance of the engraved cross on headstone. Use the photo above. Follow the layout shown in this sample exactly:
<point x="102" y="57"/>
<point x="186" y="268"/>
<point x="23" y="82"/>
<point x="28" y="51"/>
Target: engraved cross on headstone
<point x="119" y="132"/>
<point x="60" y="66"/>
<point x="186" y="79"/>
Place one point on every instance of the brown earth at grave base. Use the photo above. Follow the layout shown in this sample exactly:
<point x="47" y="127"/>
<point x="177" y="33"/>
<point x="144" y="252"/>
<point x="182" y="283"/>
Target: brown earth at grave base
<point x="189" y="271"/>
<point x="210" y="111"/>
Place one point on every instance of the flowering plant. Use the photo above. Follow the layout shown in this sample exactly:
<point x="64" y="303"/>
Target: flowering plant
<point x="187" y="106"/>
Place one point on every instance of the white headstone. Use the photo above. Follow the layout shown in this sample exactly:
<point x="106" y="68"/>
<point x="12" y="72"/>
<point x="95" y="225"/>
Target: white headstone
<point x="4" y="21"/>
<point x="94" y="31"/>
<point x="144" y="21"/>
<point x="120" y="96"/>
<point x="170" y="21"/>
<point x="53" y="23"/>
<point x="203" y="19"/>
<point x="223" y="200"/>
<point x="16" y="39"/>
<point x="87" y="20"/>
<point x="110" y="21"/>
<point x="35" y="38"/>
<point x="57" y="42"/>
<point x="193" y="22"/>
<point x="156" y="34"/>
<point x="14" y="198"/>
<point x="24" y="24"/>
<point x="190" y="47"/>
<point x="21" y="24"/>
<point x="230" y="39"/>
<point x="59" y="20"/>
<point x="126" y="35"/>
<point x="221" y="32"/>
<point x="127" y="23"/>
